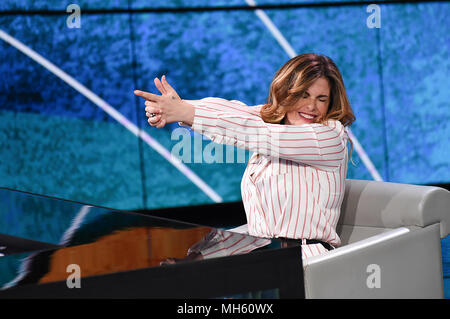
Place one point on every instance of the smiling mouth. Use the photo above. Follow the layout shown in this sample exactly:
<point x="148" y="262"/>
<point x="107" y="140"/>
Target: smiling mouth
<point x="307" y="116"/>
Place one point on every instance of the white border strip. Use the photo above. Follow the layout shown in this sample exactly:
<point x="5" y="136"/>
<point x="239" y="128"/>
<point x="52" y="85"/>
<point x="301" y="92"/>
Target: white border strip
<point x="291" y="53"/>
<point x="113" y="113"/>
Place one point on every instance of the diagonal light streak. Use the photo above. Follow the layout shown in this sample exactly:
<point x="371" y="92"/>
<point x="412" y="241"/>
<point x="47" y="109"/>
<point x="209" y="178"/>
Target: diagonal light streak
<point x="113" y="113"/>
<point x="291" y="53"/>
<point x="364" y="157"/>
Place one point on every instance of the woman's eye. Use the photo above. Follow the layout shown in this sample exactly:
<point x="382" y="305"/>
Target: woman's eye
<point x="322" y="100"/>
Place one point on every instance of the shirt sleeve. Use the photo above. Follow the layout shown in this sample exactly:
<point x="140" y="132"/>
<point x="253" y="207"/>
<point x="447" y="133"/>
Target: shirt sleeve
<point x="219" y="243"/>
<point x="317" y="145"/>
<point x="216" y="104"/>
<point x="228" y="106"/>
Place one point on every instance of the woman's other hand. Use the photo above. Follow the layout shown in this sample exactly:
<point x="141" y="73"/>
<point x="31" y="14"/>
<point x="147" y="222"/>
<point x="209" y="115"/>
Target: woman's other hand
<point x="190" y="257"/>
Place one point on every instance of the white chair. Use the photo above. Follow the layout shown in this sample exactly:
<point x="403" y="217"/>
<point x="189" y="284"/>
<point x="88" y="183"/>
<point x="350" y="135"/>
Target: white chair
<point x="391" y="246"/>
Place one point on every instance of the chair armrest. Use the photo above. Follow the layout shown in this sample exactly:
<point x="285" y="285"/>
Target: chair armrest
<point x="407" y="261"/>
<point x="393" y="205"/>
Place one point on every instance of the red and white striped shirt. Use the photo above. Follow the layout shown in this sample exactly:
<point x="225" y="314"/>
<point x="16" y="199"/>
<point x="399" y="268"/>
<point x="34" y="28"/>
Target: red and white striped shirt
<point x="294" y="182"/>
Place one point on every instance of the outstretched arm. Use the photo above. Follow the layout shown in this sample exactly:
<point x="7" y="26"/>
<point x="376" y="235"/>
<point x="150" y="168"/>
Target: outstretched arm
<point x="169" y="106"/>
<point x="321" y="146"/>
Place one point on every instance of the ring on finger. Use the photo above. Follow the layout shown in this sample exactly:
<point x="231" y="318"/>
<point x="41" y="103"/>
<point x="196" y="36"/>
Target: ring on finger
<point x="148" y="114"/>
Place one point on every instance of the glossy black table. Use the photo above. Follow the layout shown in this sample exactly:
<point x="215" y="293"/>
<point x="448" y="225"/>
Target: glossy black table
<point x="54" y="248"/>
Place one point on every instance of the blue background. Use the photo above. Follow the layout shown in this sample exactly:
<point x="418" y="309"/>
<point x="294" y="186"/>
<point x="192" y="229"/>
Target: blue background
<point x="55" y="141"/>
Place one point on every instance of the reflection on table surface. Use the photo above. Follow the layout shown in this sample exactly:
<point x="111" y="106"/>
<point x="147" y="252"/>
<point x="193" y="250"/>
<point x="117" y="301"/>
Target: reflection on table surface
<point x="99" y="240"/>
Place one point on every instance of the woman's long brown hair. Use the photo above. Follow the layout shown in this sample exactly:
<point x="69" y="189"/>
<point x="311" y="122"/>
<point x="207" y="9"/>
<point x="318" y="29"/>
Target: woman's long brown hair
<point x="294" y="78"/>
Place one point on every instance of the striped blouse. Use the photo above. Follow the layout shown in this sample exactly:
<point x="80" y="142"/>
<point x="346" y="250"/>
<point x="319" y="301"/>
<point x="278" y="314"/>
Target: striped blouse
<point x="294" y="182"/>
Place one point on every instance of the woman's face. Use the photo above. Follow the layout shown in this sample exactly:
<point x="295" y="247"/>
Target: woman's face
<point x="311" y="105"/>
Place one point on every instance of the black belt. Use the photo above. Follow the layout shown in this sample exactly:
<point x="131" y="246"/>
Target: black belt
<point x="298" y="242"/>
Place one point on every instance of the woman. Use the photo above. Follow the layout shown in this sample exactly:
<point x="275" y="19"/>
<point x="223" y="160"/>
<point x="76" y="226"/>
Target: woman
<point x="294" y="182"/>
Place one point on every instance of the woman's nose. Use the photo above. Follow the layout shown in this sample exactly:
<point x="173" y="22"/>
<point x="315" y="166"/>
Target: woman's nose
<point x="311" y="106"/>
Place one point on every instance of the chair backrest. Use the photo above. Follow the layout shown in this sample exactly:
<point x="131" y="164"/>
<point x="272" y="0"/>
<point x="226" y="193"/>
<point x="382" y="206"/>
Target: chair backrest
<point x="391" y="205"/>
